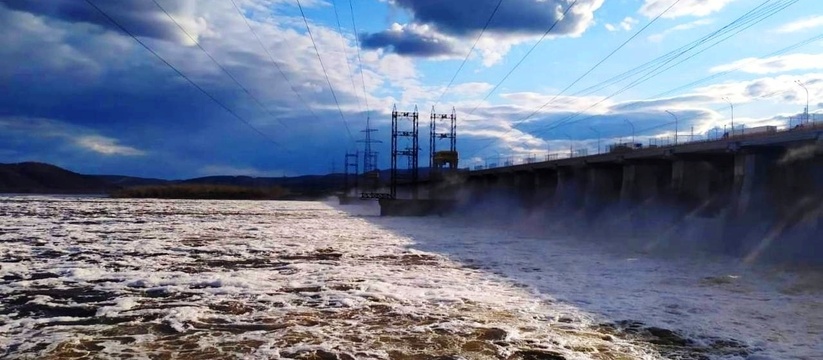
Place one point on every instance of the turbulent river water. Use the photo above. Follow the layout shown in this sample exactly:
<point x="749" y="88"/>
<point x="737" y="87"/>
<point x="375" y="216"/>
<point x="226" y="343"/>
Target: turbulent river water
<point x="103" y="278"/>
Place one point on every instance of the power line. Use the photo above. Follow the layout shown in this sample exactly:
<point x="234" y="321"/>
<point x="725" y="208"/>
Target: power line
<point x="256" y="100"/>
<point x="601" y="61"/>
<point x="521" y="121"/>
<point x="749" y="23"/>
<point x="726" y="72"/>
<point x="524" y="56"/>
<point x="210" y="96"/>
<point x="717" y="109"/>
<point x="345" y="53"/>
<point x="666" y="57"/>
<point x="755" y="15"/>
<point x="274" y="62"/>
<point x="325" y="73"/>
<point x="654" y="72"/>
<point x="451" y="82"/>
<point x="360" y="61"/>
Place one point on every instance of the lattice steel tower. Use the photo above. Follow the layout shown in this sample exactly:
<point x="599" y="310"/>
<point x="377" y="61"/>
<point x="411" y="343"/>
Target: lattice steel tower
<point x="411" y="176"/>
<point x="443" y="127"/>
<point x="370" y="172"/>
<point x="350" y="178"/>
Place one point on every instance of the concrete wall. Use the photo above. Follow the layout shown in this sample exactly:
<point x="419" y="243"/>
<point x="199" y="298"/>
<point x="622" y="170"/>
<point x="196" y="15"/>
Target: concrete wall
<point x="760" y="204"/>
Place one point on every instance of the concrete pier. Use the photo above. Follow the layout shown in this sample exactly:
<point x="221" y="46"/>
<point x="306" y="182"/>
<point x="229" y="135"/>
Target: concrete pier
<point x="602" y="187"/>
<point x="526" y="184"/>
<point x="644" y="180"/>
<point x="571" y="187"/>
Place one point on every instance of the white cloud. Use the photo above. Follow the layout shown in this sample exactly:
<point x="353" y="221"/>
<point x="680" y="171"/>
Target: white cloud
<point x="702" y="109"/>
<point x="532" y="100"/>
<point x="682" y="27"/>
<point x="471" y="88"/>
<point x="802" y="24"/>
<point x="775" y="64"/>
<point x="76" y="135"/>
<point x="626" y="24"/>
<point x="652" y="8"/>
<point x="492" y="50"/>
<point x="389" y="79"/>
<point x="779" y="89"/>
<point x="106" y="146"/>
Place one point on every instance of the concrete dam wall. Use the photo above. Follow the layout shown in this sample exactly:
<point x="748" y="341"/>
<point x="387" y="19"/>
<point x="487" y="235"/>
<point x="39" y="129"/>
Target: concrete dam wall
<point x="759" y="200"/>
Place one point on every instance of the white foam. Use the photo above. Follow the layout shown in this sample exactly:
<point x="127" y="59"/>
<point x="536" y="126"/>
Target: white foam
<point x="516" y="281"/>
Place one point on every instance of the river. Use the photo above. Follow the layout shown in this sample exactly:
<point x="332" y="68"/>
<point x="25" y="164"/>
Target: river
<point x="104" y="278"/>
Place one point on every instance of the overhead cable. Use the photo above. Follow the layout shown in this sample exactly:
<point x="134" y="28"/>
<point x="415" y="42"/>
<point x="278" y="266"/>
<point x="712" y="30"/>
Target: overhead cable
<point x="345" y="53"/>
<point x="545" y="34"/>
<point x="476" y="40"/>
<point x="325" y="73"/>
<point x="226" y="71"/>
<point x="746" y="19"/>
<point x="360" y="60"/>
<point x="274" y="62"/>
<point x="181" y="74"/>
<point x="535" y="112"/>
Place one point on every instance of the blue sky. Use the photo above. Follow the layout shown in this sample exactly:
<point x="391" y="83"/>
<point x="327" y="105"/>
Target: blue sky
<point x="80" y="93"/>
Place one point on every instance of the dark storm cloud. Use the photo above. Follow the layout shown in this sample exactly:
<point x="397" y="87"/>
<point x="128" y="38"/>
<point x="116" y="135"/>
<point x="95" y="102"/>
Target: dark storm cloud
<point x="80" y="80"/>
<point x="142" y="18"/>
<point x="407" y="43"/>
<point x="464" y="18"/>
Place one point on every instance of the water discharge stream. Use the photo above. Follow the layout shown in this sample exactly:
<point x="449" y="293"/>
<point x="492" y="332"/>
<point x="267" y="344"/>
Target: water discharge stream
<point x="91" y="278"/>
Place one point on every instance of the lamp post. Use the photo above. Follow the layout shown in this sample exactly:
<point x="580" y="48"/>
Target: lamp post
<point x="675" y="125"/>
<point x="798" y="82"/>
<point x="632" y="125"/>
<point x="732" y="106"/>
<point x="571" y="145"/>
<point x="598" y="138"/>
<point x="498" y="159"/>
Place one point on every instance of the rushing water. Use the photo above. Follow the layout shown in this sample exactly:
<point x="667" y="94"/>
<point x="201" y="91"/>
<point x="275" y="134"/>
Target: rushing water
<point x="100" y="278"/>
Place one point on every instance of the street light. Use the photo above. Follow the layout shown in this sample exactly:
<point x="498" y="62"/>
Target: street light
<point x="732" y="105"/>
<point x="498" y="158"/>
<point x="598" y="138"/>
<point x="675" y="125"/>
<point x="798" y="82"/>
<point x="571" y="146"/>
<point x="632" y="124"/>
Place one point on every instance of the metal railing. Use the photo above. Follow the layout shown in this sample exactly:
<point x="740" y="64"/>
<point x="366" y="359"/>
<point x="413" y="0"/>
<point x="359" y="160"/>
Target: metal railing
<point x="815" y="122"/>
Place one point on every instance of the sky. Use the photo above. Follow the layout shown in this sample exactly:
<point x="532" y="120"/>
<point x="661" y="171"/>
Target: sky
<point x="187" y="88"/>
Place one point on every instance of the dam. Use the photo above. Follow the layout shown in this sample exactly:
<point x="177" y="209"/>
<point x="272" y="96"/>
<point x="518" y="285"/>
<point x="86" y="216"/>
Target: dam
<point x="755" y="195"/>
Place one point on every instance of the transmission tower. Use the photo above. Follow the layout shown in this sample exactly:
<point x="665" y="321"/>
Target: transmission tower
<point x="443" y="127"/>
<point x="411" y="176"/>
<point x="349" y="177"/>
<point x="370" y="172"/>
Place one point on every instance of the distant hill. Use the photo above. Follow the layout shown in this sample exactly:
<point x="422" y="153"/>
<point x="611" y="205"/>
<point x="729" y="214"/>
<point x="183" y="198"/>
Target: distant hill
<point x="33" y="177"/>
<point x="130" y="181"/>
<point x="309" y="186"/>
